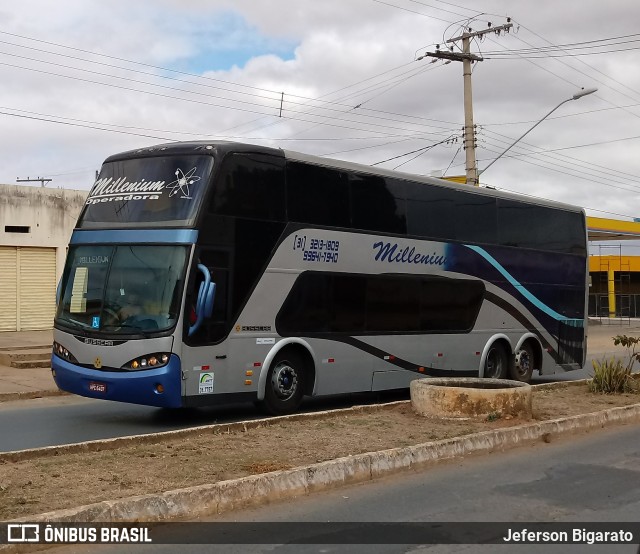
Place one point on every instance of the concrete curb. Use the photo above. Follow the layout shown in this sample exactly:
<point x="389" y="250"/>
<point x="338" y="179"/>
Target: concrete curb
<point x="260" y="489"/>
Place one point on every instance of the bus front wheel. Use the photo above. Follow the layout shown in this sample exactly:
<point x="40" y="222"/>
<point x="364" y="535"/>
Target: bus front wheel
<point x="496" y="363"/>
<point x="285" y="384"/>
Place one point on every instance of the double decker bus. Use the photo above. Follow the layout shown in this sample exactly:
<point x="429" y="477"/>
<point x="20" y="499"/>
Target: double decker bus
<point x="208" y="272"/>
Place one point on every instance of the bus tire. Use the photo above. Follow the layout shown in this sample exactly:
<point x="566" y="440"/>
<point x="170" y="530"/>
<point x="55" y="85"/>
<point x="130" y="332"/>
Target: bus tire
<point x="496" y="364"/>
<point x="285" y="383"/>
<point x="522" y="369"/>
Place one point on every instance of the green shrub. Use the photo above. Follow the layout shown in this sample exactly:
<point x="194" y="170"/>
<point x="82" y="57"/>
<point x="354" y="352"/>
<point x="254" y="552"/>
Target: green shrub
<point x="613" y="375"/>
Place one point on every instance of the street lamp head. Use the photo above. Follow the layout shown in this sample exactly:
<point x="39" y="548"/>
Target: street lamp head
<point x="583" y="92"/>
<point x="576" y="96"/>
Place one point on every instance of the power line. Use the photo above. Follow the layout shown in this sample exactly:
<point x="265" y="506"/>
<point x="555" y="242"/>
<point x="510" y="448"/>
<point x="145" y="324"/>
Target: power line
<point x="577" y="161"/>
<point x="421" y="150"/>
<point x="82" y="125"/>
<point x="560" y="116"/>
<point x="580" y="169"/>
<point x="566" y="55"/>
<point x="599" y="81"/>
<point x="573" y="83"/>
<point x="568" y="46"/>
<point x="600" y="182"/>
<point x="370" y="146"/>
<point x="577" y="70"/>
<point x="275" y="98"/>
<point x="411" y="11"/>
<point x="143" y="64"/>
<point x="206" y="95"/>
<point x="398" y="82"/>
<point x="323" y="120"/>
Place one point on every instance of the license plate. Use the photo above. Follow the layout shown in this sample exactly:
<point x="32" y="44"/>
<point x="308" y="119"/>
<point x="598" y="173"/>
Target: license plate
<point x="97" y="387"/>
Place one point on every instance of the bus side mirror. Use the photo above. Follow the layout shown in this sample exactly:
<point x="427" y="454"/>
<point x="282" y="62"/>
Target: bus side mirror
<point x="209" y="296"/>
<point x="204" y="303"/>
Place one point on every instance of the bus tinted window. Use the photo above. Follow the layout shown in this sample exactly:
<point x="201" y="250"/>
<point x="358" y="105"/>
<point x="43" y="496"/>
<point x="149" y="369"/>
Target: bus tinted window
<point x="449" y="304"/>
<point x="250" y="186"/>
<point x="393" y="304"/>
<point x="348" y="302"/>
<point x="517" y="221"/>
<point x="431" y="211"/>
<point x="361" y="304"/>
<point x="476" y="218"/>
<point x="378" y="204"/>
<point x="308" y="306"/>
<point x="317" y="195"/>
<point x="540" y="227"/>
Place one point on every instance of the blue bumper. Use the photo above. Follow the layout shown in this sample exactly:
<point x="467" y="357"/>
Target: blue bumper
<point x="135" y="387"/>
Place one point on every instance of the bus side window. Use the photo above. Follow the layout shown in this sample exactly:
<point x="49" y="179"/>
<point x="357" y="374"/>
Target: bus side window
<point x="318" y="195"/>
<point x="250" y="186"/>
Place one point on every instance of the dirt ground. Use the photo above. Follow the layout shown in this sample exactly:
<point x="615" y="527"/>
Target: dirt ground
<point x="59" y="481"/>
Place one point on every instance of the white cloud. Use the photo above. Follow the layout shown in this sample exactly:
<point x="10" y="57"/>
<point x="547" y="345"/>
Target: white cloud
<point x="309" y="50"/>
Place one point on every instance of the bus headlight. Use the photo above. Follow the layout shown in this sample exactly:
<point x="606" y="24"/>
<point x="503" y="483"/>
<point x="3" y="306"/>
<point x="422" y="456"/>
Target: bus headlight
<point x="63" y="353"/>
<point x="150" y="361"/>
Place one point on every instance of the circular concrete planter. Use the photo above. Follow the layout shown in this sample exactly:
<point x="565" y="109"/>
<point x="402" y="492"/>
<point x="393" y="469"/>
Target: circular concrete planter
<point x="466" y="397"/>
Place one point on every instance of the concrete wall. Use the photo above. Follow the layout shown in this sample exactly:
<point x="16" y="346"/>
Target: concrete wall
<point x="50" y="215"/>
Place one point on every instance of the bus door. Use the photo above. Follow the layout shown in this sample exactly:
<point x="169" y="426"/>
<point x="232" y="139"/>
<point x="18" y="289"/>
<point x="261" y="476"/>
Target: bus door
<point x="205" y="352"/>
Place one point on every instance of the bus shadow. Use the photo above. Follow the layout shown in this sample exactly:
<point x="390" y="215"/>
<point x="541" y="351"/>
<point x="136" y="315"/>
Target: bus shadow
<point x="231" y="413"/>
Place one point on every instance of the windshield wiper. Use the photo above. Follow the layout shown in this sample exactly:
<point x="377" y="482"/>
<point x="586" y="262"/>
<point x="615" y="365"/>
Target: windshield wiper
<point x="74" y="323"/>
<point x="140" y="331"/>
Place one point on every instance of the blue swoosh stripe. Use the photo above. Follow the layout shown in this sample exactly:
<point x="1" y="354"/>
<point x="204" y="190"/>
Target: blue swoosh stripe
<point x="522" y="290"/>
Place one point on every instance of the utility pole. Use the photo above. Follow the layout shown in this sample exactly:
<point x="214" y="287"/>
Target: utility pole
<point x="41" y="180"/>
<point x="466" y="57"/>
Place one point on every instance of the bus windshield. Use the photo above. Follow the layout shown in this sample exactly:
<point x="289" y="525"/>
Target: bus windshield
<point x="123" y="289"/>
<point x="165" y="190"/>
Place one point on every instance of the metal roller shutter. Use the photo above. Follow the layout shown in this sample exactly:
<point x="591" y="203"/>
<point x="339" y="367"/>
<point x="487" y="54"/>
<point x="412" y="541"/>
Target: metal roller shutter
<point x="8" y="288"/>
<point x="37" y="287"/>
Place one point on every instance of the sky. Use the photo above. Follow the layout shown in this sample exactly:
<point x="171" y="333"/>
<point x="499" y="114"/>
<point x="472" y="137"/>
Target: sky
<point x="83" y="79"/>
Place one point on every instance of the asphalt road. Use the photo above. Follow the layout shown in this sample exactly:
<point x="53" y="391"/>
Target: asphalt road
<point x="587" y="478"/>
<point x="55" y="421"/>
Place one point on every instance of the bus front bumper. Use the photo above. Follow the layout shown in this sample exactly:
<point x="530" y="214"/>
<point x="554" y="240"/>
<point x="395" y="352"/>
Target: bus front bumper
<point x="159" y="387"/>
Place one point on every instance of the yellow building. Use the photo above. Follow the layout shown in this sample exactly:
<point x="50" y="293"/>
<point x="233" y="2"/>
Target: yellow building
<point x="614" y="288"/>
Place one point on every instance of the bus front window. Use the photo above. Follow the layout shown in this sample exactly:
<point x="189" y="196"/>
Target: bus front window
<point x="123" y="289"/>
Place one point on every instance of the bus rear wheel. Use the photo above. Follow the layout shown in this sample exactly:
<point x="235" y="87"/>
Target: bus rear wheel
<point x="285" y="384"/>
<point x="496" y="363"/>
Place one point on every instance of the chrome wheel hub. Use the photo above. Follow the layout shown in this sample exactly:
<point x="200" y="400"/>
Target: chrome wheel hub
<point x="284" y="381"/>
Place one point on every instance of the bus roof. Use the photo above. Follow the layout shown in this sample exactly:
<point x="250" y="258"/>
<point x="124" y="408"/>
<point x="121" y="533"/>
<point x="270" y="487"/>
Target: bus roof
<point x="221" y="147"/>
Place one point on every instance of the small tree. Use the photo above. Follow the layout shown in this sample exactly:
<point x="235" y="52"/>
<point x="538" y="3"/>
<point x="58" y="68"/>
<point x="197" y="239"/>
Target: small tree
<point x="614" y="375"/>
<point x="631" y="344"/>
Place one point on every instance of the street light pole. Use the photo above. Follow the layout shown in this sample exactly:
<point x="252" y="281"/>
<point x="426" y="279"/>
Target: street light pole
<point x="576" y="96"/>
